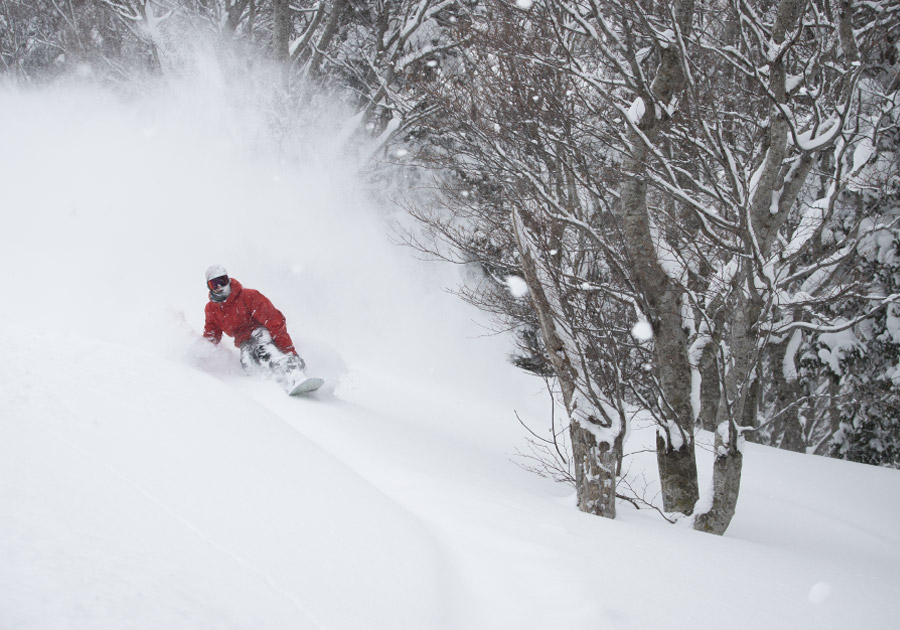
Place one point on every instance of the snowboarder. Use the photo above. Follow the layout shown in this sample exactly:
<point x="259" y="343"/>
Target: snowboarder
<point x="258" y="328"/>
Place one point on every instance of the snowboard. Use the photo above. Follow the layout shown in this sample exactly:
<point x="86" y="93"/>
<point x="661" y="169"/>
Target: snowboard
<point x="306" y="386"/>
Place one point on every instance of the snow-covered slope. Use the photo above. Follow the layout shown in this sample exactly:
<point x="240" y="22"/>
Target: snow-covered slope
<point x="146" y="483"/>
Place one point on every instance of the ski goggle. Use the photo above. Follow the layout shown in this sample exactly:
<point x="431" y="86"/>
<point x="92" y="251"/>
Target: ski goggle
<point x="217" y="283"/>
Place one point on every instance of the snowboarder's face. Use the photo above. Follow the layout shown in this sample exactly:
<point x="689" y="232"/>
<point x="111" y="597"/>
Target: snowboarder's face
<point x="217" y="285"/>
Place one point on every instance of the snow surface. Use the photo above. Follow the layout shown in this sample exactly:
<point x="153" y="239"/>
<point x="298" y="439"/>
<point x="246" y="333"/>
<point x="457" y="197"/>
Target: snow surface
<point x="146" y="483"/>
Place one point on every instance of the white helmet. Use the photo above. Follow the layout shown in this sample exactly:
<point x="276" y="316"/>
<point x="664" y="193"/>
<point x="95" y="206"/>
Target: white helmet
<point x="216" y="271"/>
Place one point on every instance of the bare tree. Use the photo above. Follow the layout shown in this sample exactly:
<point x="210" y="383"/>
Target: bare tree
<point x="752" y="183"/>
<point x="693" y="155"/>
<point x="520" y="208"/>
<point x="385" y="52"/>
<point x="144" y="19"/>
<point x="41" y="39"/>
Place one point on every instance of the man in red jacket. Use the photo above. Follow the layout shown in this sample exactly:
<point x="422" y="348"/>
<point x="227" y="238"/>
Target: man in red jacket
<point x="259" y="329"/>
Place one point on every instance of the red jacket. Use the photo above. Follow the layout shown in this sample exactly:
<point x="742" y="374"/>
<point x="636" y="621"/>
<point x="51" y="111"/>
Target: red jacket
<point x="244" y="311"/>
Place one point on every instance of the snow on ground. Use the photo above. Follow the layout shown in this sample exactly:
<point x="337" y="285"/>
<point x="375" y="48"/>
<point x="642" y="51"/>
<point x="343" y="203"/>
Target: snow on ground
<point x="146" y="483"/>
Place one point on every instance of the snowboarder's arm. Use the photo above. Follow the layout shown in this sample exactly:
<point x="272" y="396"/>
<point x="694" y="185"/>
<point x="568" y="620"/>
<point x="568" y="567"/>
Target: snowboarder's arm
<point x="212" y="330"/>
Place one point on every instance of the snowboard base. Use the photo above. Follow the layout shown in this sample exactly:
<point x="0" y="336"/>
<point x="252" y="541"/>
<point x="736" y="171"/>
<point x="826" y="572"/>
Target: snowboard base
<point x="306" y="387"/>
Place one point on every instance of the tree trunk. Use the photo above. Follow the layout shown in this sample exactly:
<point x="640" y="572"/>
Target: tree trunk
<point x="727" y="473"/>
<point x="595" y="460"/>
<point x="235" y="15"/>
<point x="788" y="433"/>
<point x="746" y="305"/>
<point x="736" y="396"/>
<point x="750" y="419"/>
<point x="830" y="406"/>
<point x="595" y="472"/>
<point x="677" y="462"/>
<point x="281" y="35"/>
<point x="331" y="29"/>
<point x="662" y="295"/>
<point x="709" y="387"/>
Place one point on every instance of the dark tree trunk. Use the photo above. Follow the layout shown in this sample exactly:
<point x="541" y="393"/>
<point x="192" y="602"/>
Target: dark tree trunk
<point x="661" y="294"/>
<point x="709" y="387"/>
<point x="281" y="35"/>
